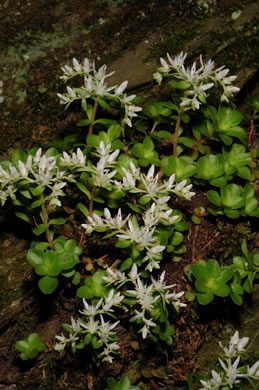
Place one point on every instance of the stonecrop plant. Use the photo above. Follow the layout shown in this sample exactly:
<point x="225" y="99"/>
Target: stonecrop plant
<point x="119" y="188"/>
<point x="232" y="374"/>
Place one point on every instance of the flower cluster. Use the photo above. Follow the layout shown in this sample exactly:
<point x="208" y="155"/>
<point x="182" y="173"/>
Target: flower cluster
<point x="232" y="372"/>
<point x="38" y="170"/>
<point x="198" y="80"/>
<point x="95" y="87"/>
<point x="143" y="236"/>
<point x="151" y="186"/>
<point x="94" y="329"/>
<point x="150" y="298"/>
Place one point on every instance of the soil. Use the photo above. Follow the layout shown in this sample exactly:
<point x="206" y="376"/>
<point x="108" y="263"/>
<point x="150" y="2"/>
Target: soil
<point x="37" y="38"/>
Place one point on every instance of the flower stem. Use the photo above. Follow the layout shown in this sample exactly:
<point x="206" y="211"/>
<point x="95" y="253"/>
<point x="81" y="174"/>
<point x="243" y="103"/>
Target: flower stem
<point x="154" y="127"/>
<point x="91" y="203"/>
<point x="45" y="222"/>
<point x="90" y="131"/>
<point x="176" y="131"/>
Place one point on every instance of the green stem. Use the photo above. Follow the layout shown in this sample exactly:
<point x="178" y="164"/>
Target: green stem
<point x="154" y="126"/>
<point x="176" y="131"/>
<point x="45" y="222"/>
<point x="91" y="203"/>
<point x="123" y="131"/>
<point x="90" y="131"/>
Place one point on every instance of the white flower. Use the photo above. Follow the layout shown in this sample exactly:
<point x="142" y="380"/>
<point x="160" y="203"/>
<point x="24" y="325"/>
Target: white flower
<point x="165" y="67"/>
<point x="190" y="74"/>
<point x="129" y="178"/>
<point x="103" y="150"/>
<point x="159" y="284"/>
<point x="105" y="329"/>
<point x="220" y="73"/>
<point x="174" y="298"/>
<point x="236" y="345"/>
<point x="231" y="371"/>
<point x="109" y="348"/>
<point x="145" y="330"/>
<point x="151" y="217"/>
<point x="91" y="326"/>
<point x="207" y="67"/>
<point x="91" y="310"/>
<point x="216" y="380"/>
<point x="133" y="274"/>
<point x="153" y="264"/>
<point x="67" y="72"/>
<point x="158" y="77"/>
<point x="22" y="168"/>
<point x="114" y="276"/>
<point x="132" y="233"/>
<point x="111" y="159"/>
<point x="3" y="197"/>
<point x="76" y="65"/>
<point x="130" y="112"/>
<point x="253" y="371"/>
<point x="78" y="158"/>
<point x="71" y="92"/>
<point x="146" y="236"/>
<point x="86" y="66"/>
<point x="96" y="220"/>
<point x="46" y="164"/>
<point x="112" y="300"/>
<point x="120" y="89"/>
<point x="156" y="249"/>
<point x="144" y="295"/>
<point x="213" y="384"/>
<point x="102" y="175"/>
<point x="178" y="60"/>
<point x="150" y="182"/>
<point x="75" y="325"/>
<point x="117" y="222"/>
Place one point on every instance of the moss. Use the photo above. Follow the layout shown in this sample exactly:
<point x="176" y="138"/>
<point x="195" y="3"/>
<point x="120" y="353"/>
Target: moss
<point x="242" y="52"/>
<point x="173" y="41"/>
<point x="7" y="295"/>
<point x="232" y="237"/>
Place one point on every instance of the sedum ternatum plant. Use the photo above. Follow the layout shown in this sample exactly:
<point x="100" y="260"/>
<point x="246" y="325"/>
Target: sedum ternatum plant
<point x="151" y="303"/>
<point x="232" y="372"/>
<point x="124" y="191"/>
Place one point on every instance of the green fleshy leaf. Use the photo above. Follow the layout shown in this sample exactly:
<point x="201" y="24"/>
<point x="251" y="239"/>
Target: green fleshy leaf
<point x="18" y="155"/>
<point x="57" y="221"/>
<point x="23" y="216"/>
<point x="35" y="257"/>
<point x="123" y="244"/>
<point x="126" y="264"/>
<point x="237" y="299"/>
<point x="205" y="299"/>
<point x="85" y="292"/>
<point x="39" y="229"/>
<point x="48" y="284"/>
<point x="180" y="84"/>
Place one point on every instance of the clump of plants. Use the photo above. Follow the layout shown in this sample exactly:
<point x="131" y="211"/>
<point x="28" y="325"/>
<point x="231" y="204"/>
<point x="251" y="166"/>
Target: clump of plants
<point x="122" y="190"/>
<point x="30" y="346"/>
<point x="234" y="370"/>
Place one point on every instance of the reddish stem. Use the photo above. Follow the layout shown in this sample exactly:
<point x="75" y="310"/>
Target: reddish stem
<point x="200" y="142"/>
<point x="194" y="242"/>
<point x="250" y="134"/>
